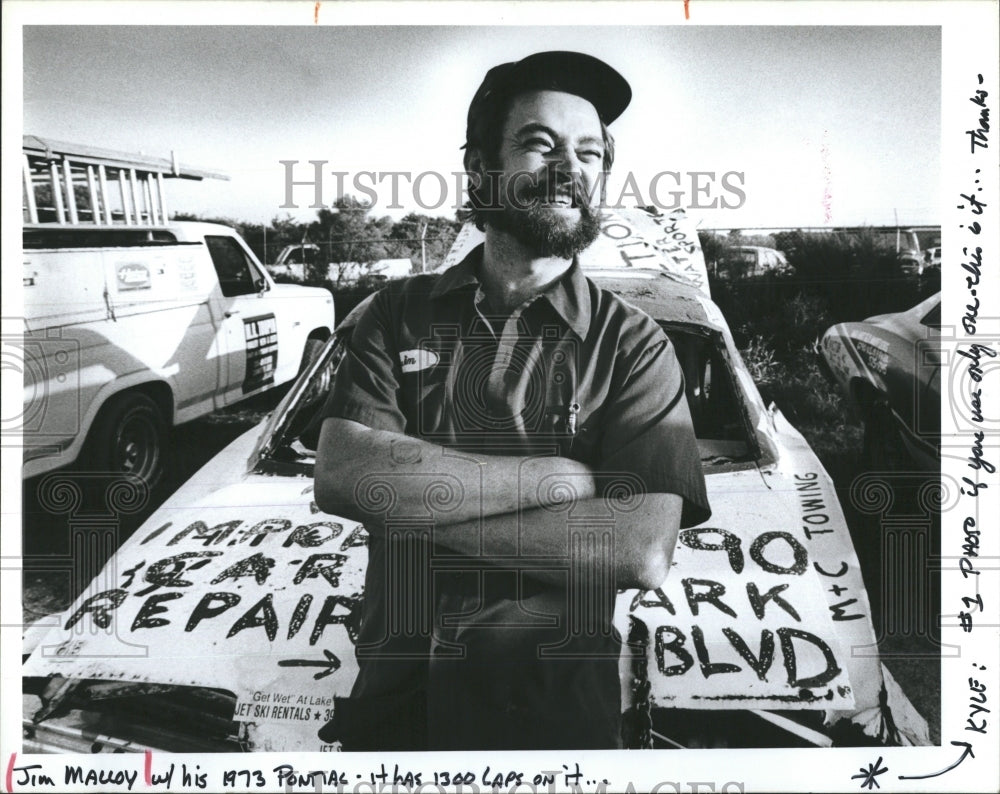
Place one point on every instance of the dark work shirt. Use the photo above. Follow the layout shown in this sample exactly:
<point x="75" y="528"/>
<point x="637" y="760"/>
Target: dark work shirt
<point x="509" y="663"/>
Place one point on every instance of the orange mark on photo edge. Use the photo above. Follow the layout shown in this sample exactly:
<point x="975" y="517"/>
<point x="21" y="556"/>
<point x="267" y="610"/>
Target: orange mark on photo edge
<point x="148" y="768"/>
<point x="687" y="10"/>
<point x="316" y="12"/>
<point x="9" y="778"/>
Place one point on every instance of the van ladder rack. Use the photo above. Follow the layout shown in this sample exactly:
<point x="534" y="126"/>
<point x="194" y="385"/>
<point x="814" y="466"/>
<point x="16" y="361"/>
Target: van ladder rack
<point x="73" y="185"/>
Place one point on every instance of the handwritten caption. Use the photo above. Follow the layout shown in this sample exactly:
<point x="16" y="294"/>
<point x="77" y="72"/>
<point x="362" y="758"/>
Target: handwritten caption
<point x="977" y="461"/>
<point x="973" y="351"/>
<point x="386" y="777"/>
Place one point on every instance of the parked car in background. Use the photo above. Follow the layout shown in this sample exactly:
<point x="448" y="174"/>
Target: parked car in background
<point x="241" y="564"/>
<point x="932" y="263"/>
<point x="390" y="269"/>
<point x="889" y="368"/>
<point x="294" y="261"/>
<point x="301" y="260"/>
<point x="746" y="261"/>
<point x="907" y="247"/>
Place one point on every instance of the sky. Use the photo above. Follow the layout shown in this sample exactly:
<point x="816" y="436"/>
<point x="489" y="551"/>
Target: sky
<point x="814" y="125"/>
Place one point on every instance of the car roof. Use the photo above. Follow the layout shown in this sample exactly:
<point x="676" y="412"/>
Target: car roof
<point x="663" y="298"/>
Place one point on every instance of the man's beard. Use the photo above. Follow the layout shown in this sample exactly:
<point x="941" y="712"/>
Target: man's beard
<point x="544" y="229"/>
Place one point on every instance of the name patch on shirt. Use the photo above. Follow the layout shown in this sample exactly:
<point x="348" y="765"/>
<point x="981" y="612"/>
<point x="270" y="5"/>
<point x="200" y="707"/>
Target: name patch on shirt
<point x="418" y="359"/>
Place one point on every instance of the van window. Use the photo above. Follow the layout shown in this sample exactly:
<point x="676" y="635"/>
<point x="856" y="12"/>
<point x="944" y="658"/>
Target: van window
<point x="41" y="237"/>
<point x="236" y="275"/>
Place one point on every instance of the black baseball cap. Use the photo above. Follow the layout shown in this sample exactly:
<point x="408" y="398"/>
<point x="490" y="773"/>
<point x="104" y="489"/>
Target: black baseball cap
<point x="571" y="72"/>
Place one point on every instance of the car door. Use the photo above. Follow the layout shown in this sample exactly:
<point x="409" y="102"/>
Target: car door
<point x="249" y="328"/>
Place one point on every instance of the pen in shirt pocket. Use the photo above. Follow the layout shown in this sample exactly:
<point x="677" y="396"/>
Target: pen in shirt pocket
<point x="571" y="411"/>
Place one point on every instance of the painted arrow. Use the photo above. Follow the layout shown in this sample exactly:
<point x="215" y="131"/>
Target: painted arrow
<point x="332" y="664"/>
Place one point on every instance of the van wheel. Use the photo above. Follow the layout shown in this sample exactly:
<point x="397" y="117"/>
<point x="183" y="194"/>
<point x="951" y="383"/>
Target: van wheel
<point x="130" y="437"/>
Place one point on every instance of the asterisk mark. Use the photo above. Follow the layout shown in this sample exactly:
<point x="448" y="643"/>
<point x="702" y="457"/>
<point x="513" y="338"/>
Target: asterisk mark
<point x="870" y="774"/>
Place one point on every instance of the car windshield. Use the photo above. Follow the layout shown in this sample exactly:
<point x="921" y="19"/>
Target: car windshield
<point x="718" y="408"/>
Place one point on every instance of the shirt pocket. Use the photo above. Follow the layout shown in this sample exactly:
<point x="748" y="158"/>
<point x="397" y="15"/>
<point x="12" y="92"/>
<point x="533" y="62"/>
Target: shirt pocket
<point x="422" y="397"/>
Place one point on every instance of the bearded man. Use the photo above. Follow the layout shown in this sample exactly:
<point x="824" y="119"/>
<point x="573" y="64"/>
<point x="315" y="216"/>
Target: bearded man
<point x="517" y="443"/>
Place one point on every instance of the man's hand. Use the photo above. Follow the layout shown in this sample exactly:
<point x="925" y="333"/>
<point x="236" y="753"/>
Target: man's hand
<point x="375" y="475"/>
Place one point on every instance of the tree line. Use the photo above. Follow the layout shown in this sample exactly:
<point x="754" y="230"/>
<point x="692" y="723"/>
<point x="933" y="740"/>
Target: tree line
<point x="350" y="239"/>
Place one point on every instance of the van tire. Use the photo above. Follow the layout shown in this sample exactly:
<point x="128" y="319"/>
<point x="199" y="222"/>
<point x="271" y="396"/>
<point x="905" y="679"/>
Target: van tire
<point x="130" y="437"/>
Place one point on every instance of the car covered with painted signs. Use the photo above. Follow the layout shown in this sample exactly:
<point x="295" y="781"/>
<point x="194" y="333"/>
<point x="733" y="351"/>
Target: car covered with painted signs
<point x="240" y="599"/>
<point x="889" y="367"/>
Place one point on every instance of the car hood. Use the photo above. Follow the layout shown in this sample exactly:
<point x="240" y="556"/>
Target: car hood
<point x="300" y="291"/>
<point x="249" y="590"/>
<point x="753" y="583"/>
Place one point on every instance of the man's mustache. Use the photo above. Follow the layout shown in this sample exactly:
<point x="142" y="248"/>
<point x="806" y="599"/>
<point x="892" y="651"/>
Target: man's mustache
<point x="546" y="187"/>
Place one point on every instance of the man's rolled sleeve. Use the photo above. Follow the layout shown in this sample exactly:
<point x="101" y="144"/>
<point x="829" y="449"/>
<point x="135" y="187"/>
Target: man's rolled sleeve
<point x="648" y="432"/>
<point x="366" y="386"/>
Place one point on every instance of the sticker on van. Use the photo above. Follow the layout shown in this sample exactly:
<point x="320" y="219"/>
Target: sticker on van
<point x="262" y="351"/>
<point x="133" y="276"/>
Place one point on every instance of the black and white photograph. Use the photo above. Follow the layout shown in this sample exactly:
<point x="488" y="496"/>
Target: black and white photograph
<point x="467" y="397"/>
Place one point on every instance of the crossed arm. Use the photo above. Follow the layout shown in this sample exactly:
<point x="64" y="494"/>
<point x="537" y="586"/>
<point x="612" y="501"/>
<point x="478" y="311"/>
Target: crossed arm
<point x="505" y="506"/>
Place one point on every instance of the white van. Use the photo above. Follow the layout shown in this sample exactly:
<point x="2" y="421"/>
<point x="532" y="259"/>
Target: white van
<point x="132" y="328"/>
<point x="126" y="336"/>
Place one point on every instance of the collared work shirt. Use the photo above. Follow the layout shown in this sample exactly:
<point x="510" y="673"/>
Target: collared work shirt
<point x="574" y="372"/>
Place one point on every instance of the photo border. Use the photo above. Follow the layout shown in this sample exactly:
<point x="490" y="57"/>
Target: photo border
<point x="969" y="48"/>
